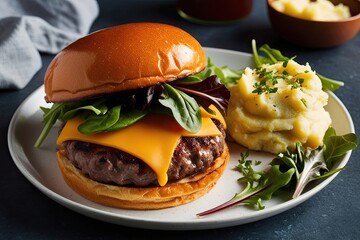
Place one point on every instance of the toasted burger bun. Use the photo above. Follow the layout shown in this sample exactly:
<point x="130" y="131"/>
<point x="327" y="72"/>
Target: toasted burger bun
<point x="170" y="195"/>
<point x="120" y="58"/>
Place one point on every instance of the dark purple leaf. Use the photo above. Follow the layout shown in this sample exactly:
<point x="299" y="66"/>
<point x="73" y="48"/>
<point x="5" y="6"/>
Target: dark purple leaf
<point x="209" y="91"/>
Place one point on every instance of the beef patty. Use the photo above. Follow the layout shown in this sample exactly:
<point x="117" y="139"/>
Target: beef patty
<point x="112" y="166"/>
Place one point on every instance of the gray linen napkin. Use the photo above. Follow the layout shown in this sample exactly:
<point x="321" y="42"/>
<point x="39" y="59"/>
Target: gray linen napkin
<point x="28" y="27"/>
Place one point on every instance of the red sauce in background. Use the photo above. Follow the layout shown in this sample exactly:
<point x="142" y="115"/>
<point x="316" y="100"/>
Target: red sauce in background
<point x="214" y="10"/>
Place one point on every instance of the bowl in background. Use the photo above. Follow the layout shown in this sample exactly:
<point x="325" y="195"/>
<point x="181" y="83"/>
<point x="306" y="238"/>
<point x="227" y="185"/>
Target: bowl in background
<point x="214" y="11"/>
<point x="316" y="34"/>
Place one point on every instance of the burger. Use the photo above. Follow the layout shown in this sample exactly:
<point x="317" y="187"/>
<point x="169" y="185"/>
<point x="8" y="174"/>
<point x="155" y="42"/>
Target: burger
<point x="140" y="129"/>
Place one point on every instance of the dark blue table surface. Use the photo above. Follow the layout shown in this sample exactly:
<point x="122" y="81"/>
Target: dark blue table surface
<point x="333" y="213"/>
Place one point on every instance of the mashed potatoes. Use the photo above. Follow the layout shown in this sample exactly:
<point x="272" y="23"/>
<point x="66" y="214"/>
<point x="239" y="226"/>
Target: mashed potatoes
<point x="320" y="10"/>
<point x="272" y="108"/>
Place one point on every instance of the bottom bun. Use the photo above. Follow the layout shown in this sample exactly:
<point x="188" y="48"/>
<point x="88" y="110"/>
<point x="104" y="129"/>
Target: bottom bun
<point x="170" y="195"/>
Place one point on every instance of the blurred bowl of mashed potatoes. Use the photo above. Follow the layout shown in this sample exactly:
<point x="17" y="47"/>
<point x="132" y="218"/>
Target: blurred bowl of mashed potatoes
<point x="315" y="23"/>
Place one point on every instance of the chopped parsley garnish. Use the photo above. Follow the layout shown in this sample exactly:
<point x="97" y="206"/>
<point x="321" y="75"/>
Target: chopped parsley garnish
<point x="297" y="83"/>
<point x="269" y="79"/>
<point x="303" y="100"/>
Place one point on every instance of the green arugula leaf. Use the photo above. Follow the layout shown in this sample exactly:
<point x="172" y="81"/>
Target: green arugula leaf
<point x="126" y="119"/>
<point x="100" y="123"/>
<point x="48" y="124"/>
<point x="265" y="186"/>
<point x="56" y="109"/>
<point x="337" y="146"/>
<point x="313" y="165"/>
<point x="291" y="160"/>
<point x="63" y="112"/>
<point x="277" y="180"/>
<point x="273" y="54"/>
<point x="227" y="76"/>
<point x="328" y="174"/>
<point x="256" y="189"/>
<point x="184" y="108"/>
<point x="330" y="84"/>
<point x="72" y="113"/>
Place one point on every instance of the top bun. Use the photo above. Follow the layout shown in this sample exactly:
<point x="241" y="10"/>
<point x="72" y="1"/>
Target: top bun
<point x="120" y="58"/>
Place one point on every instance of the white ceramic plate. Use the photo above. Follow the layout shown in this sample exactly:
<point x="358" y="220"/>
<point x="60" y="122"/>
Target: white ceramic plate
<point x="40" y="168"/>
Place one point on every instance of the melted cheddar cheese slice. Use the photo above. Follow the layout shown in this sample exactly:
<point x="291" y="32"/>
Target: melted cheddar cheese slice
<point x="152" y="139"/>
